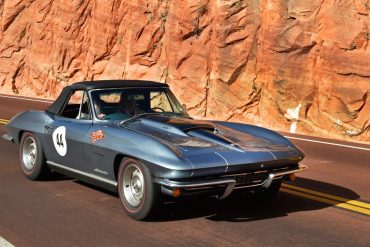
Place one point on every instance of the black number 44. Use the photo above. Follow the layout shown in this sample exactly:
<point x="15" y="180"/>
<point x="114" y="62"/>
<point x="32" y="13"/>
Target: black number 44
<point x="60" y="140"/>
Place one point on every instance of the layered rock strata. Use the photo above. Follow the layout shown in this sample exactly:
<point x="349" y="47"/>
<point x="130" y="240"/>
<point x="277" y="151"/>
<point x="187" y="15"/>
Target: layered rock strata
<point x="292" y="65"/>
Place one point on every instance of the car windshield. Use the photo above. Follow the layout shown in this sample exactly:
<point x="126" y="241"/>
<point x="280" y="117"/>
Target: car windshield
<point x="125" y="103"/>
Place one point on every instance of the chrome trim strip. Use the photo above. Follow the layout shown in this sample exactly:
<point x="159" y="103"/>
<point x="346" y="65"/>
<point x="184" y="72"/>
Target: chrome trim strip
<point x="192" y="165"/>
<point x="277" y="175"/>
<point x="245" y="173"/>
<point x="199" y="188"/>
<point x="83" y="173"/>
<point x="230" y="185"/>
<point x="281" y="169"/>
<point x="169" y="183"/>
<point x="249" y="186"/>
<point x="273" y="155"/>
<point x="227" y="164"/>
<point x="260" y="172"/>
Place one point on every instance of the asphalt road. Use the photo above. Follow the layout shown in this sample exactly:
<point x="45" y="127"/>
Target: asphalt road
<point x="328" y="205"/>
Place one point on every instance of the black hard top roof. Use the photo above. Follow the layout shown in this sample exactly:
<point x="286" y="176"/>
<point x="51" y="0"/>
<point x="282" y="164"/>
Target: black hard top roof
<point x="88" y="85"/>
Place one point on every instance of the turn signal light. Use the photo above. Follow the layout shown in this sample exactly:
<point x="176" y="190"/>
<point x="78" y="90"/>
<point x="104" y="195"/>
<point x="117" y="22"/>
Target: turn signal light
<point x="176" y="192"/>
<point x="292" y="177"/>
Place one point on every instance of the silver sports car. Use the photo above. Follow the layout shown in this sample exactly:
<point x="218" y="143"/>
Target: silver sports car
<point x="134" y="137"/>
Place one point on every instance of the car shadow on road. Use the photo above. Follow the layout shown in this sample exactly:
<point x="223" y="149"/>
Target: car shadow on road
<point x="111" y="193"/>
<point x="55" y="177"/>
<point x="244" y="208"/>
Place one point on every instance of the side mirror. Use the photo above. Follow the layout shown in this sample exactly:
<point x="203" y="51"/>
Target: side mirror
<point x="183" y="107"/>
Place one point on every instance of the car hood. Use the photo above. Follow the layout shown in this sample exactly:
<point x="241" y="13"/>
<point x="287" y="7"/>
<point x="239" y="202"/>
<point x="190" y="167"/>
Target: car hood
<point x="204" y="141"/>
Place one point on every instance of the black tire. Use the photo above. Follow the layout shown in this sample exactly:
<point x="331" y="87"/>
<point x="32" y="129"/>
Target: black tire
<point x="151" y="196"/>
<point x="38" y="170"/>
<point x="270" y="192"/>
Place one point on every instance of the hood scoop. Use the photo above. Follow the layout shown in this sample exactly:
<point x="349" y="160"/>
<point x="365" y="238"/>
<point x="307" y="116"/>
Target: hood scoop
<point x="190" y="128"/>
<point x="214" y="135"/>
<point x="190" y="134"/>
<point x="179" y="126"/>
<point x="162" y="126"/>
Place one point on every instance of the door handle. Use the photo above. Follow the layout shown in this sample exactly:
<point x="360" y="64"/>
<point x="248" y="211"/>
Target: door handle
<point x="48" y="127"/>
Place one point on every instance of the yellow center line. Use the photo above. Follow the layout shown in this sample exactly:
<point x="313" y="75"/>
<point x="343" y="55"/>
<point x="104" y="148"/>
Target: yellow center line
<point x="329" y="196"/>
<point x="327" y="201"/>
<point x="3" y="121"/>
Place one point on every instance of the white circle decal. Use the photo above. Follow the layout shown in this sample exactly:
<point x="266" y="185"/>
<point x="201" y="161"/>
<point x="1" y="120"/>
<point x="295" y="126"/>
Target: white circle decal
<point x="59" y="140"/>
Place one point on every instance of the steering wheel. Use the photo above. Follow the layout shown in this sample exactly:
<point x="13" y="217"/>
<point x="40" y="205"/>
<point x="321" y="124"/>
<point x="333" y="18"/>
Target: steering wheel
<point x="158" y="108"/>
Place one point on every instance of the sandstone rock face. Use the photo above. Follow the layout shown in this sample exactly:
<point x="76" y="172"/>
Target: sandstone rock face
<point x="288" y="65"/>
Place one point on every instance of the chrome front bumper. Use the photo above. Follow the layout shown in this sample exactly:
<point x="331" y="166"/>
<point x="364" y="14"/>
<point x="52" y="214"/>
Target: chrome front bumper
<point x="229" y="184"/>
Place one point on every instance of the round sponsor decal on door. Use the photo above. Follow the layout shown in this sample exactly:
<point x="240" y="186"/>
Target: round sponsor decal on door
<point x="59" y="140"/>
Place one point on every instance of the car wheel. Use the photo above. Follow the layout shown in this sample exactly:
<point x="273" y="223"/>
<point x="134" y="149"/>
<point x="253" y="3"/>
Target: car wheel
<point x="270" y="192"/>
<point x="32" y="157"/>
<point x="140" y="197"/>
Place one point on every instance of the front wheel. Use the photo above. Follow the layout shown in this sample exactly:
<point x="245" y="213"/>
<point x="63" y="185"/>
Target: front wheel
<point x="140" y="197"/>
<point x="32" y="157"/>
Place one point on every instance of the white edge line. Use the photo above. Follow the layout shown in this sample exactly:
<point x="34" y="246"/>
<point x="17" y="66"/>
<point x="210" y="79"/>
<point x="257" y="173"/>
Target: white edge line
<point x="82" y="173"/>
<point x="328" y="143"/>
<point x="24" y="98"/>
<point x="5" y="243"/>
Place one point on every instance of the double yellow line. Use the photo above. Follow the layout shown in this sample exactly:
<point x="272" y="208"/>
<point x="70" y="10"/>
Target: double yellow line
<point x="3" y="121"/>
<point x="341" y="202"/>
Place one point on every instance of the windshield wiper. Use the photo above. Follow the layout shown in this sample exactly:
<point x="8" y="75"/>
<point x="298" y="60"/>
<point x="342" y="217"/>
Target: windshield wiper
<point x="137" y="116"/>
<point x="134" y="118"/>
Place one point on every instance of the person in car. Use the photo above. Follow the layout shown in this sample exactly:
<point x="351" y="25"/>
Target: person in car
<point x="126" y="109"/>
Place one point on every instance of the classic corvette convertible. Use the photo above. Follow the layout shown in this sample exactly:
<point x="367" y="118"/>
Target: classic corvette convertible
<point x="134" y="137"/>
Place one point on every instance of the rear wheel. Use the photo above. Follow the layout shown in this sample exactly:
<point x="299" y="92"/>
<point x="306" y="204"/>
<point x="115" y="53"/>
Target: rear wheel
<point x="140" y="197"/>
<point x="32" y="157"/>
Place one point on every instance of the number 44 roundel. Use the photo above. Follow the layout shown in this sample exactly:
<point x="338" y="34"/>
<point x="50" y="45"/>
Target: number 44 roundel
<point x="59" y="140"/>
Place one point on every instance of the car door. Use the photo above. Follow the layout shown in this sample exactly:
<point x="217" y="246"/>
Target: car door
<point x="67" y="132"/>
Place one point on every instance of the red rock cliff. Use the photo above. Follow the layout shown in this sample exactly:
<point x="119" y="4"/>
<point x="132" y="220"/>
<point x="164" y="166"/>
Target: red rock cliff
<point x="292" y="64"/>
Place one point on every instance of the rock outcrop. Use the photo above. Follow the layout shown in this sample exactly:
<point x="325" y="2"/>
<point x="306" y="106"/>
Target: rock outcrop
<point x="292" y="65"/>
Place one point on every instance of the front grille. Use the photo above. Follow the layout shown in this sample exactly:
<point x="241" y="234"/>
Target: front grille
<point x="249" y="178"/>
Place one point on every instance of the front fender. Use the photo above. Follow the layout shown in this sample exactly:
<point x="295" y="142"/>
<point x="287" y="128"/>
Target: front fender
<point x="163" y="159"/>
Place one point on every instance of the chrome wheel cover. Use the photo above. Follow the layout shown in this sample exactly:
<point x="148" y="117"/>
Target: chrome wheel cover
<point x="133" y="185"/>
<point x="29" y="152"/>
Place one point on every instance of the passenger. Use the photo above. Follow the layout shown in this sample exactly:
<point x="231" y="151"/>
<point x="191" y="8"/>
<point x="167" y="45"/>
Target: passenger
<point x="98" y="105"/>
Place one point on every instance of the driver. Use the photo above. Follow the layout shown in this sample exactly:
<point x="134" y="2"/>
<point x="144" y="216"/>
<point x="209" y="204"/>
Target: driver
<point x="126" y="109"/>
<point x="127" y="106"/>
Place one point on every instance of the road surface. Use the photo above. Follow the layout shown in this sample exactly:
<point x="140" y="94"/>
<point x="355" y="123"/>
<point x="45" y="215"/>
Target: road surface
<point x="328" y="205"/>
